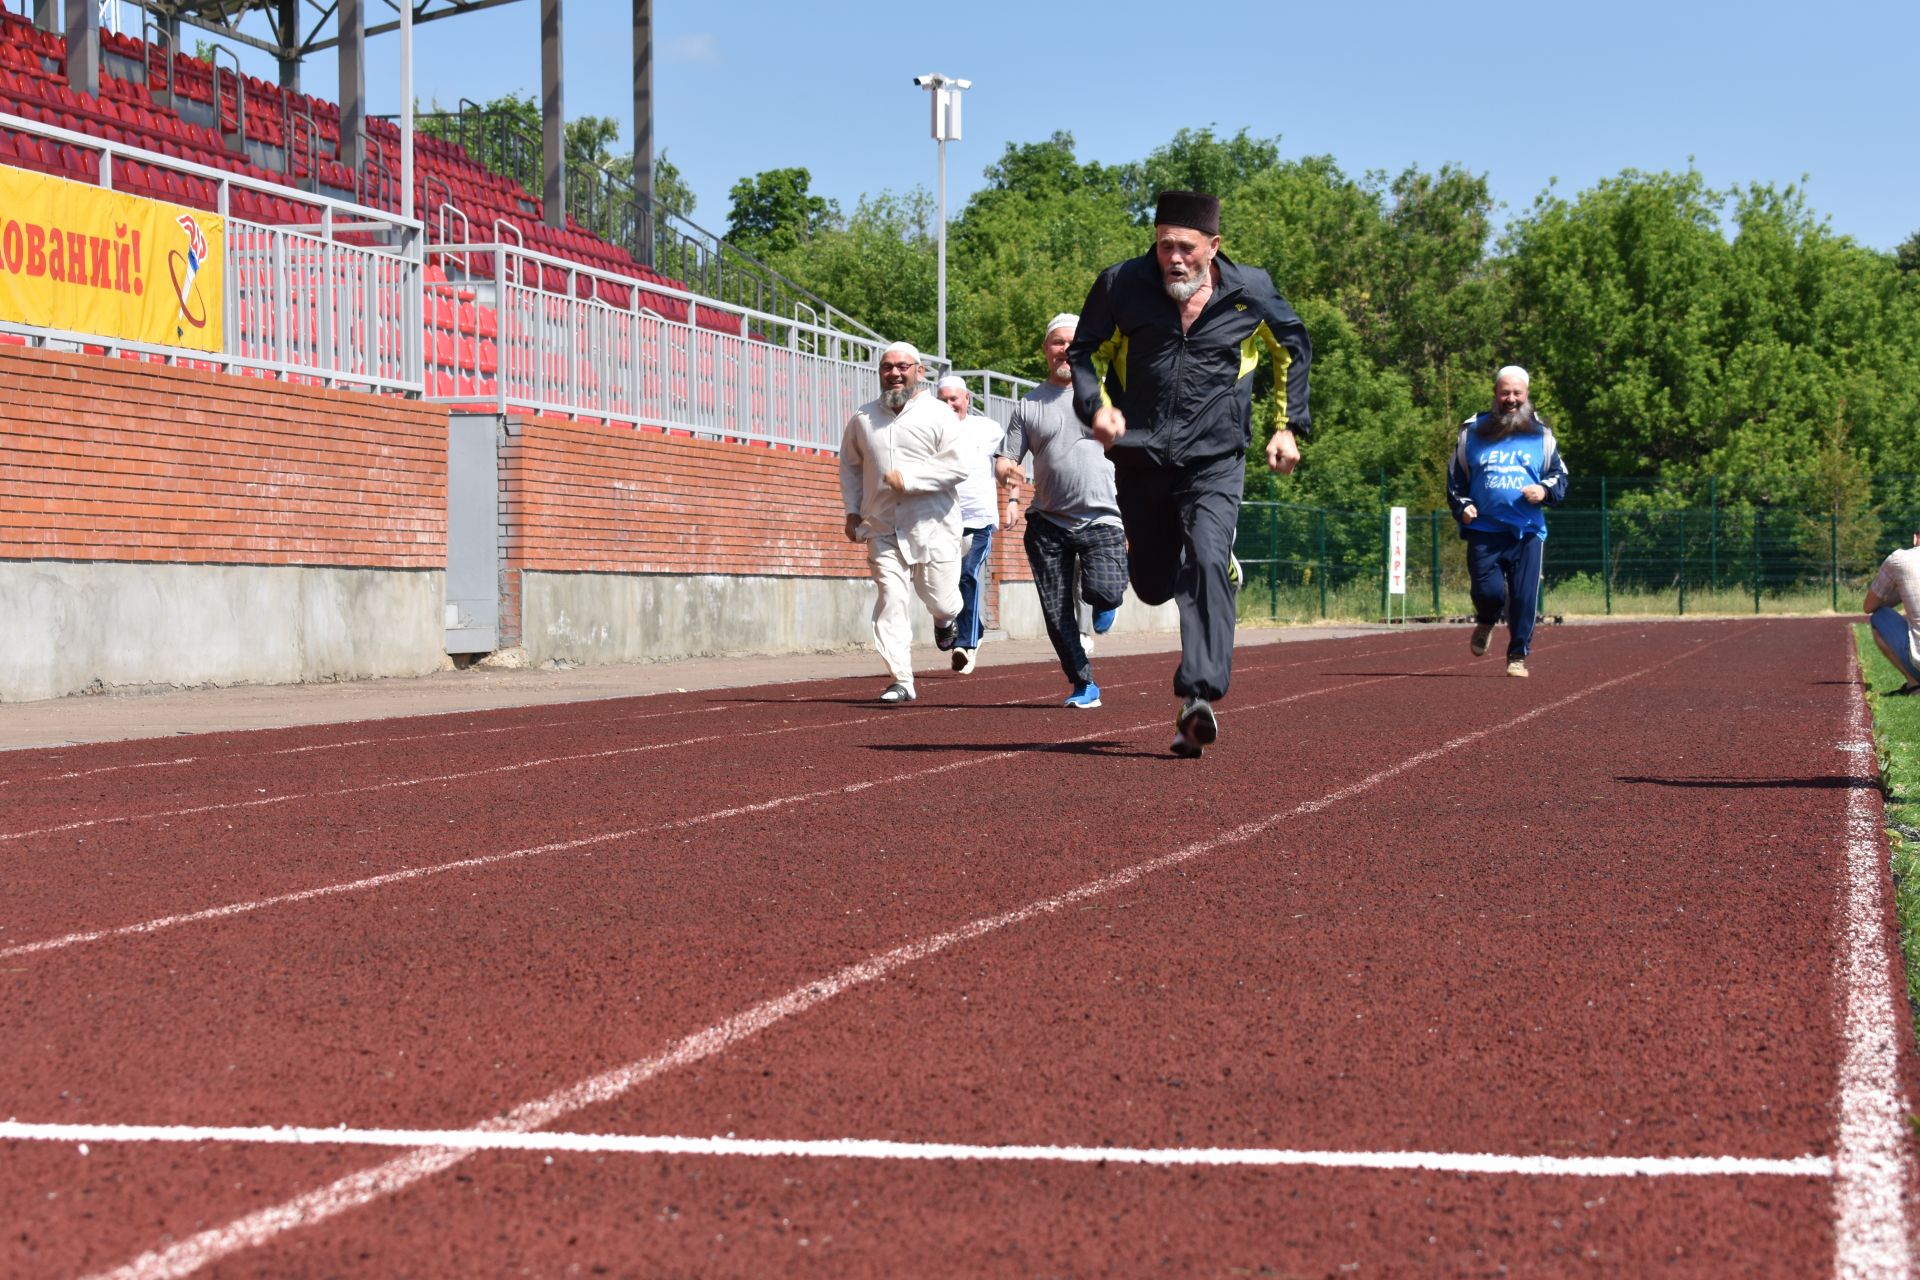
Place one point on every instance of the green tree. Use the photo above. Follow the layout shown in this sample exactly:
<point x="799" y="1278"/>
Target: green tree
<point x="774" y="212"/>
<point x="879" y="265"/>
<point x="1195" y="160"/>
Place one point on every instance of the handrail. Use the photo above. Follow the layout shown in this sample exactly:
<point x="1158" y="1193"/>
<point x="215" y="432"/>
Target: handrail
<point x="150" y="46"/>
<point x="700" y="301"/>
<point x="594" y="194"/>
<point x="222" y="177"/>
<point x="237" y="140"/>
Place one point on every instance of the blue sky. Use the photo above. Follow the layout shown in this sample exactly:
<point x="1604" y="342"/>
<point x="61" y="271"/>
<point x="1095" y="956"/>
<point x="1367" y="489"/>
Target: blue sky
<point x="1760" y="91"/>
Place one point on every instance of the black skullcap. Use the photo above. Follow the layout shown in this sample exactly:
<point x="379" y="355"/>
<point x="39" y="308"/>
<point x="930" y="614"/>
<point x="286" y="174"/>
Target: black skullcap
<point x="1195" y="209"/>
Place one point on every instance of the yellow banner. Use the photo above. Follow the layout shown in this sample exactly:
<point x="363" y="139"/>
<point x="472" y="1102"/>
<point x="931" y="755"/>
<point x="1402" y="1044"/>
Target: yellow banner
<point x="79" y="258"/>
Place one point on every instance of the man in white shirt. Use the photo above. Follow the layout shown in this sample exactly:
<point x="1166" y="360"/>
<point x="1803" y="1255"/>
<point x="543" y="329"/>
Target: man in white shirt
<point x="1898" y="583"/>
<point x="980" y="438"/>
<point x="900" y="461"/>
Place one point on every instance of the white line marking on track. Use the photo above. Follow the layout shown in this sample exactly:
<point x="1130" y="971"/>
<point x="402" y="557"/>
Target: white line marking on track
<point x="574" y="722"/>
<point x="441" y="777"/>
<point x="1807" y="1166"/>
<point x="1871" y="1162"/>
<point x="183" y="1257"/>
<point x="406" y="874"/>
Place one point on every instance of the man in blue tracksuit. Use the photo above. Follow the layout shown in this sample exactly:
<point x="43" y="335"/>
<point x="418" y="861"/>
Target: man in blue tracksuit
<point x="1505" y="469"/>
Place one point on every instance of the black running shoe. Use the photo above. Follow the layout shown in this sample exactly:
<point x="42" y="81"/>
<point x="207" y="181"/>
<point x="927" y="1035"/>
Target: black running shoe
<point x="1197" y="722"/>
<point x="895" y="693"/>
<point x="945" y="633"/>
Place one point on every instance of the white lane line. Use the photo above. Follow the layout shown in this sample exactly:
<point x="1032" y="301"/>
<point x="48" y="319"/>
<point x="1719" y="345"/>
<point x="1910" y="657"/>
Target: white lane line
<point x="1807" y="1166"/>
<point x="406" y="874"/>
<point x="511" y="767"/>
<point x="1872" y="1163"/>
<point x="116" y="768"/>
<point x="580" y="722"/>
<point x="183" y="1257"/>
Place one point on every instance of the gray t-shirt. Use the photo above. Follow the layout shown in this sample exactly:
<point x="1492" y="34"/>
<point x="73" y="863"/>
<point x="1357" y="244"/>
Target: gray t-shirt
<point x="1898" y="582"/>
<point x="1072" y="478"/>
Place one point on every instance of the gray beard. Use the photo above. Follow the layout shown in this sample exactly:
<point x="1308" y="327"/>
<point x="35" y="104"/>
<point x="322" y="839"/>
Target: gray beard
<point x="897" y="398"/>
<point x="1499" y="426"/>
<point x="1181" y="290"/>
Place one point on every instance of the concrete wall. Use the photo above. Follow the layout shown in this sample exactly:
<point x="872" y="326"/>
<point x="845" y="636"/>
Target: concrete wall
<point x="1020" y="614"/>
<point x="75" y="627"/>
<point x="166" y="526"/>
<point x="620" y="617"/>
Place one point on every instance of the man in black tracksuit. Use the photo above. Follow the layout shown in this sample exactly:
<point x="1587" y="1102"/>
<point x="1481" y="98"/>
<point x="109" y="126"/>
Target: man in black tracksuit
<point x="1163" y="365"/>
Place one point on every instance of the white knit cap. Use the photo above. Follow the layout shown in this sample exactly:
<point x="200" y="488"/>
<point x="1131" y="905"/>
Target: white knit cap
<point x="951" y="380"/>
<point x="907" y="347"/>
<point x="1065" y="320"/>
<point x="1514" y="371"/>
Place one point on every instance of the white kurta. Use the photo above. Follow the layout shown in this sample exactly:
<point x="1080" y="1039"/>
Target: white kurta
<point x="913" y="537"/>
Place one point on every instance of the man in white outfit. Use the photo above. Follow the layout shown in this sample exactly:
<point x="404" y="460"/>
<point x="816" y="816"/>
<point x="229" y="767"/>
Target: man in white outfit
<point x="900" y="462"/>
<point x="980" y="438"/>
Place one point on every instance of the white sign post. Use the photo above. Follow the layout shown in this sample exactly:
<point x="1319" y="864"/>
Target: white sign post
<point x="1397" y="561"/>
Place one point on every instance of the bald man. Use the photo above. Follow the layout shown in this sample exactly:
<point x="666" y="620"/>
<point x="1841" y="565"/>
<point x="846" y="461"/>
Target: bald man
<point x="1506" y="467"/>
<point x="979" y="440"/>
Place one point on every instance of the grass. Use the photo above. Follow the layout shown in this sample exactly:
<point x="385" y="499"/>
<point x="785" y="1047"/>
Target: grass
<point x="1896" y="738"/>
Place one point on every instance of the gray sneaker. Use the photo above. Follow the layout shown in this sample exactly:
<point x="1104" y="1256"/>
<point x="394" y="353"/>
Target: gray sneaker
<point x="1482" y="633"/>
<point x="1197" y="729"/>
<point x="896" y="693"/>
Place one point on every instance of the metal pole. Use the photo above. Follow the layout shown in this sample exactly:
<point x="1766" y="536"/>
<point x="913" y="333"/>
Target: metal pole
<point x="406" y="108"/>
<point x="1756" y="558"/>
<point x="1606" y="546"/>
<point x="1320" y="516"/>
<point x="941" y="344"/>
<point x="1433" y="557"/>
<point x="1833" y="536"/>
<point x="1683" y="562"/>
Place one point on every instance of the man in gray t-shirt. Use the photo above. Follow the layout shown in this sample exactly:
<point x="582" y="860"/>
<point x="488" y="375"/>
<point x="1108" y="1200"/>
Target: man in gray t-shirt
<point x="1898" y="583"/>
<point x="1073" y="522"/>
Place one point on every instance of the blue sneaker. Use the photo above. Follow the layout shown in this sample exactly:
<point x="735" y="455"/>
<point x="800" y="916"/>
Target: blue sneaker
<point x="1103" y="620"/>
<point x="1084" y="697"/>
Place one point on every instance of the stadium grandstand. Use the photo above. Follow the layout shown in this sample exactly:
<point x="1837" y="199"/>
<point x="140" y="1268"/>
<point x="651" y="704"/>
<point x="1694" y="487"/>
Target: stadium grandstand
<point x="603" y="461"/>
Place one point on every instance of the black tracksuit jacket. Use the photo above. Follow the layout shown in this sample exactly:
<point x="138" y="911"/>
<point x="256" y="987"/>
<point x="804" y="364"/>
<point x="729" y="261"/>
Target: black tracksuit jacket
<point x="1188" y="396"/>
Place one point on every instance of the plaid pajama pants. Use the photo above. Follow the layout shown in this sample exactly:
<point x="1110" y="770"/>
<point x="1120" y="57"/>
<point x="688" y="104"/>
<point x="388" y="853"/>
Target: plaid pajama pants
<point x="1096" y="555"/>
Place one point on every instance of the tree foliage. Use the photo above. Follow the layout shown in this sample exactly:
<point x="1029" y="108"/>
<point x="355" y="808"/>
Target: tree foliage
<point x="775" y="212"/>
<point x="1673" y="330"/>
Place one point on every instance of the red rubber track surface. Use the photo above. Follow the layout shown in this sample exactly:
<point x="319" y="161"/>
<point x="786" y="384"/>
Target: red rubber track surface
<point x="1613" y="929"/>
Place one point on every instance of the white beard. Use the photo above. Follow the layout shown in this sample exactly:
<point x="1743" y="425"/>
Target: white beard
<point x="1181" y="290"/>
<point x="897" y="398"/>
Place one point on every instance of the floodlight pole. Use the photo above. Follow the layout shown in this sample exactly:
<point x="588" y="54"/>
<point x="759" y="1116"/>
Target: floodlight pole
<point x="406" y="111"/>
<point x="946" y="92"/>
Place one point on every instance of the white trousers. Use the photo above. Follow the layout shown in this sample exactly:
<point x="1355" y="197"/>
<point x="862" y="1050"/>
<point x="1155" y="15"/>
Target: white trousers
<point x="936" y="582"/>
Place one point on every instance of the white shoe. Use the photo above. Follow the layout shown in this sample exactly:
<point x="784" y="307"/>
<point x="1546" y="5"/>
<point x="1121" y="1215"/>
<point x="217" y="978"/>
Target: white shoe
<point x="963" y="660"/>
<point x="1516" y="667"/>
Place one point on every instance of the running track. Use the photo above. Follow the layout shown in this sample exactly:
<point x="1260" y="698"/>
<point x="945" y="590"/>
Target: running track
<point x="1420" y="969"/>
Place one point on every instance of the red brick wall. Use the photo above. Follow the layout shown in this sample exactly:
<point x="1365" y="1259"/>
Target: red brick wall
<point x="106" y="459"/>
<point x="577" y="497"/>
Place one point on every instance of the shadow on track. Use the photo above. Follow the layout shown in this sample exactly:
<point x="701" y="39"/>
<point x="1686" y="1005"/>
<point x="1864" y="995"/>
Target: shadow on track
<point x="1829" y="783"/>
<point x="1415" y="675"/>
<point x="1104" y="750"/>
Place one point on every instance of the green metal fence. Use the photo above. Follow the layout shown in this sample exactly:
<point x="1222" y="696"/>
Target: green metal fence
<point x="1310" y="562"/>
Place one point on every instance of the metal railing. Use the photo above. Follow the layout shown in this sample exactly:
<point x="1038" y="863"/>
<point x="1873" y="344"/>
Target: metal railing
<point x="997" y="405"/>
<point x="553" y="337"/>
<point x="655" y="235"/>
<point x="336" y="300"/>
<point x="1305" y="562"/>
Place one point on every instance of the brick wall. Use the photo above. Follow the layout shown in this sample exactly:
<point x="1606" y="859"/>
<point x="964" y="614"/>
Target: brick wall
<point x="579" y="497"/>
<point x="106" y="459"/>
